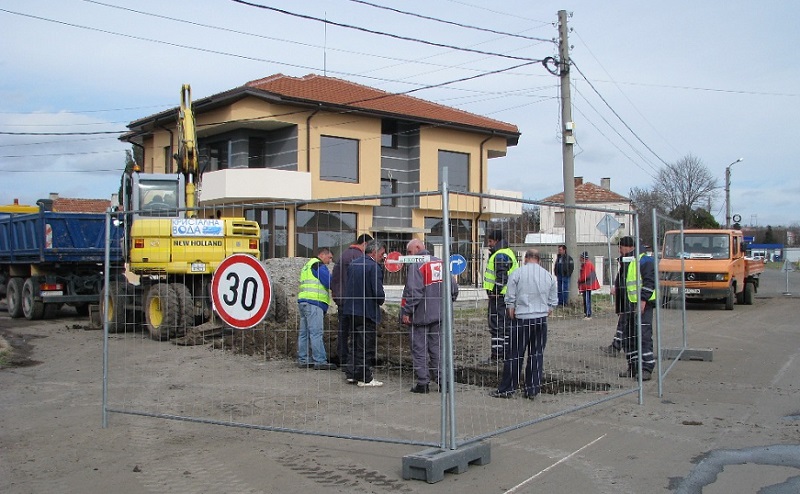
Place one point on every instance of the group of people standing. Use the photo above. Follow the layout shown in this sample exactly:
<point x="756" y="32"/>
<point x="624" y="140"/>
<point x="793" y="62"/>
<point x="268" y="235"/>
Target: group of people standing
<point x="520" y="299"/>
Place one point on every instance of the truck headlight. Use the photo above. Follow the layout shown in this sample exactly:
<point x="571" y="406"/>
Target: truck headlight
<point x="721" y="277"/>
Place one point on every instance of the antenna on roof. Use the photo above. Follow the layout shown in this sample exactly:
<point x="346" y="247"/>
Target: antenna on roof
<point x="325" y="46"/>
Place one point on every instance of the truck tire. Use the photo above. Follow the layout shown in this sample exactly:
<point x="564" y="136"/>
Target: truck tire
<point x="32" y="309"/>
<point x="115" y="312"/>
<point x="161" y="311"/>
<point x="729" y="300"/>
<point x="14" y="297"/>
<point x="749" y="293"/>
<point x="185" y="308"/>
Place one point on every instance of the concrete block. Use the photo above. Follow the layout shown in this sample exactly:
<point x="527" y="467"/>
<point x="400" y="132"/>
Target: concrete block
<point x="431" y="464"/>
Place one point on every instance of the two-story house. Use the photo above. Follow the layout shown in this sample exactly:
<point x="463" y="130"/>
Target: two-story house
<point x="287" y="148"/>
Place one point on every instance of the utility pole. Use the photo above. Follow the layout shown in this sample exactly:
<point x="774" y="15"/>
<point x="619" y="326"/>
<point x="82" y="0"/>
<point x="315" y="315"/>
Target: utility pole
<point x="567" y="151"/>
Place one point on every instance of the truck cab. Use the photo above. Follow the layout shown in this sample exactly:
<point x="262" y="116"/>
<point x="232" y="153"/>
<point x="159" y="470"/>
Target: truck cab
<point x="714" y="266"/>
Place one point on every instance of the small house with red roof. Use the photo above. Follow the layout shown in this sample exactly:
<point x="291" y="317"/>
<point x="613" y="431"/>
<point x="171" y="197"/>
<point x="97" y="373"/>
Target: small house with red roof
<point x="587" y="194"/>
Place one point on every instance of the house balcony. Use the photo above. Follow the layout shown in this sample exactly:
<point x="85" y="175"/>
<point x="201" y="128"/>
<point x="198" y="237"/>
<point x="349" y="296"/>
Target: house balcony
<point x="499" y="208"/>
<point x="253" y="185"/>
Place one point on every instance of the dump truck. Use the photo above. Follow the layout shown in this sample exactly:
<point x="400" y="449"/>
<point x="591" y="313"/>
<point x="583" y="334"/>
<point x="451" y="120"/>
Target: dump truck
<point x="715" y="268"/>
<point x="48" y="259"/>
<point x="171" y="251"/>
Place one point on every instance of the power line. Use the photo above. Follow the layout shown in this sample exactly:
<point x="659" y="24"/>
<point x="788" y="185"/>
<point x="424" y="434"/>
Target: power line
<point x="572" y="62"/>
<point x="381" y="33"/>
<point x="452" y="23"/>
<point x="62" y="133"/>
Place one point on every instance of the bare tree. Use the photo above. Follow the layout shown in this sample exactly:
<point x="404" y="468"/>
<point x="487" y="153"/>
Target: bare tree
<point x="644" y="201"/>
<point x="686" y="184"/>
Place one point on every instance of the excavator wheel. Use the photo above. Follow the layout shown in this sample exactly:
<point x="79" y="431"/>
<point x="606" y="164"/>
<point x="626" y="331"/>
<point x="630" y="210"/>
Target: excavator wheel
<point x="114" y="312"/>
<point x="162" y="311"/>
<point x="185" y="308"/>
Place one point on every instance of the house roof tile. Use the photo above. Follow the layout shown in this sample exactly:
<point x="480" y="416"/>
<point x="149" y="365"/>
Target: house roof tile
<point x="72" y="205"/>
<point x="588" y="192"/>
<point x="316" y="88"/>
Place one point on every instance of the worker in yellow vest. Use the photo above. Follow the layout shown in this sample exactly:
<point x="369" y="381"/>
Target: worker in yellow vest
<point x="313" y="298"/>
<point x="502" y="262"/>
<point x="634" y="291"/>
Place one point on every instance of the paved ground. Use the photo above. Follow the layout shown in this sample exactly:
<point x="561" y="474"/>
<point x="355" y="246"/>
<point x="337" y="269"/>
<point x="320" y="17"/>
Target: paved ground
<point x="730" y="425"/>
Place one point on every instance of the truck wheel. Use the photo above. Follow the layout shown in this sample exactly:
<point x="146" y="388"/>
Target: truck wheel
<point x="185" y="308"/>
<point x="115" y="312"/>
<point x="749" y="293"/>
<point x="161" y="311"/>
<point x="14" y="297"/>
<point x="31" y="308"/>
<point x="730" y="298"/>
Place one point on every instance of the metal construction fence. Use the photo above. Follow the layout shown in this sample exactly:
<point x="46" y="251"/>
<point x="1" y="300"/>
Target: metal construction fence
<point x="167" y="355"/>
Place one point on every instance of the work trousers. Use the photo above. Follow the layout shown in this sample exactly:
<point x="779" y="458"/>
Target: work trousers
<point x="425" y="351"/>
<point x="526" y="335"/>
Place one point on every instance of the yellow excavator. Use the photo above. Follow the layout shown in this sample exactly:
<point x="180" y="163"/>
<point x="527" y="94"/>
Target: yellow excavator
<point x="172" y="250"/>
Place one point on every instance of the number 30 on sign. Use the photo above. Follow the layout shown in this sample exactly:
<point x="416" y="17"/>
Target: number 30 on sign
<point x="241" y="292"/>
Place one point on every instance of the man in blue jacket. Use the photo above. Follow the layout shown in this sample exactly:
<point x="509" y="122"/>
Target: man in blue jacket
<point x="338" y="283"/>
<point x="421" y="308"/>
<point x="364" y="296"/>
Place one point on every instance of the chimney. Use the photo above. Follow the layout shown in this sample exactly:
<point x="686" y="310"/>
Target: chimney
<point x="16" y="201"/>
<point x="53" y="196"/>
<point x="114" y="199"/>
<point x="605" y="183"/>
<point x="578" y="181"/>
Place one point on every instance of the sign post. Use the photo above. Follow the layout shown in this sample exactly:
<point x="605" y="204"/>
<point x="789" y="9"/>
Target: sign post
<point x="241" y="292"/>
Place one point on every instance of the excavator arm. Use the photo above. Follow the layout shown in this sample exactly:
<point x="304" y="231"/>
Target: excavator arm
<point x="187" y="151"/>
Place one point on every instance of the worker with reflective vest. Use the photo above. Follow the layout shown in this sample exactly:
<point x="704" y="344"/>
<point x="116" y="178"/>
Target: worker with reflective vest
<point x="502" y="262"/>
<point x="313" y="298"/>
<point x="636" y="295"/>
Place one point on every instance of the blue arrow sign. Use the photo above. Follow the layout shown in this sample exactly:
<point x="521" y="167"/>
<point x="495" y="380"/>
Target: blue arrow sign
<point x="457" y="264"/>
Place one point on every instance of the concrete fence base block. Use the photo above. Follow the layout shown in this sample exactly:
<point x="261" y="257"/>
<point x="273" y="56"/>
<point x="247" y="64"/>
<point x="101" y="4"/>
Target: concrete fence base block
<point x="431" y="464"/>
<point x="703" y="354"/>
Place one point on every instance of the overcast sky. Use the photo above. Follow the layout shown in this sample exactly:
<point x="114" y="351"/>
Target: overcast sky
<point x="657" y="81"/>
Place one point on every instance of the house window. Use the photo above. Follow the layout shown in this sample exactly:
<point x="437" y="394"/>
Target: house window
<point x="388" y="186"/>
<point x="315" y="229"/>
<point x="338" y="159"/>
<point x="457" y="170"/>
<point x="274" y="231"/>
<point x="558" y="219"/>
<point x="256" y="156"/>
<point x="389" y="134"/>
<point x="218" y="155"/>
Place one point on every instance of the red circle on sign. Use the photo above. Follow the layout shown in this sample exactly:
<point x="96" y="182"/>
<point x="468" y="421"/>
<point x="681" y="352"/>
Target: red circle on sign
<point x="392" y="262"/>
<point x="234" y="268"/>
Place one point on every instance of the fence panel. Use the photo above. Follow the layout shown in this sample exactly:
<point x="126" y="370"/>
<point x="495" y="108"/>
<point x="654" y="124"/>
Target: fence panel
<point x="159" y="321"/>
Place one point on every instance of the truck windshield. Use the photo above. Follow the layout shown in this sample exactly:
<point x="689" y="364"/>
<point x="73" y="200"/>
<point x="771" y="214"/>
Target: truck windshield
<point x="697" y="246"/>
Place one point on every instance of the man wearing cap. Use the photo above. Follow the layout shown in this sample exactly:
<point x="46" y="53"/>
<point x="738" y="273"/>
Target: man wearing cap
<point x="502" y="262"/>
<point x="634" y="290"/>
<point x="338" y="284"/>
<point x="587" y="281"/>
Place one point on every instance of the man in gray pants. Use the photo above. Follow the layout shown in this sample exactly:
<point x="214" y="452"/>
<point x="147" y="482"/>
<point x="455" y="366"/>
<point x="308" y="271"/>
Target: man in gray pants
<point x="421" y="308"/>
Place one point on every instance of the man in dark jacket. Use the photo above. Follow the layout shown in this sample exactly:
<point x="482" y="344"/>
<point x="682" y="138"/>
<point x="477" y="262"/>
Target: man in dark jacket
<point x="563" y="269"/>
<point x="364" y="296"/>
<point x="502" y="262"/>
<point x="338" y="283"/>
<point x="421" y="308"/>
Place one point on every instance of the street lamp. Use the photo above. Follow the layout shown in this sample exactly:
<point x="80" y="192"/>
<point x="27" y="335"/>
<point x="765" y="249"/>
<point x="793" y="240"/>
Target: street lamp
<point x="728" y="193"/>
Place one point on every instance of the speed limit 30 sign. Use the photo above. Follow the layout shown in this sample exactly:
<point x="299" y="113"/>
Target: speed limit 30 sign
<point x="241" y="292"/>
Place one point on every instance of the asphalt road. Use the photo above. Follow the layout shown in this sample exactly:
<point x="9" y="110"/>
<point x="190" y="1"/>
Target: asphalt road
<point x="729" y="425"/>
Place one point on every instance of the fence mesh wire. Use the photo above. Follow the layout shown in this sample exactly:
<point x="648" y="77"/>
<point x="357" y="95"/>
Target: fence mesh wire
<point x="196" y="368"/>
